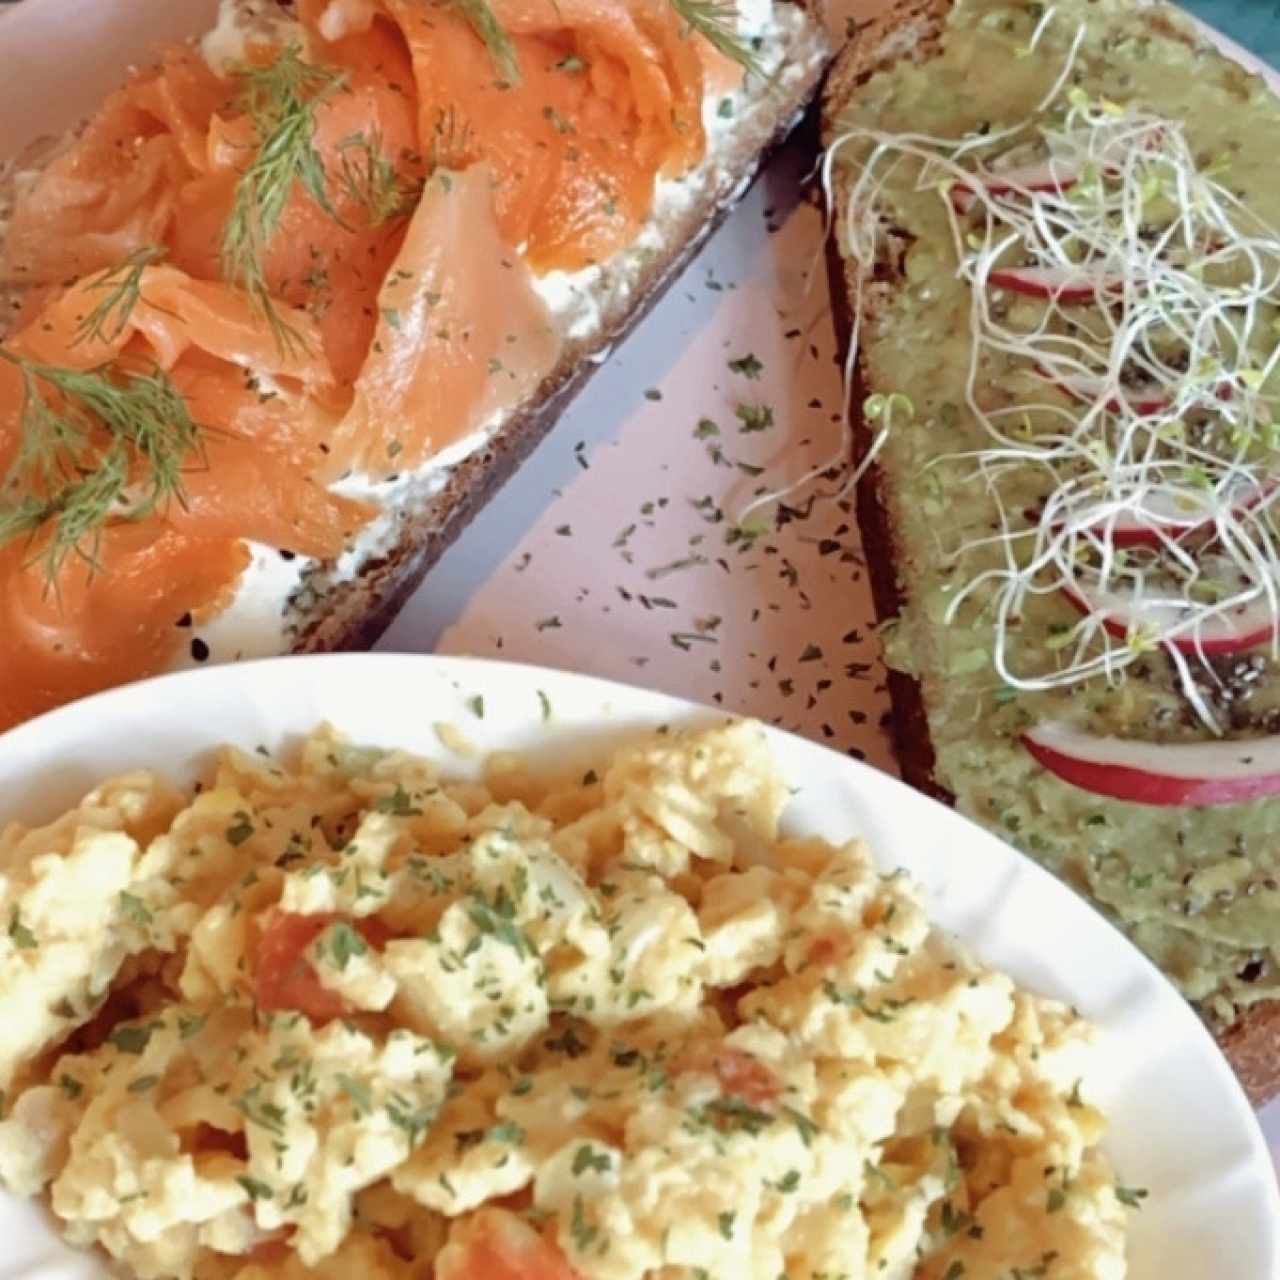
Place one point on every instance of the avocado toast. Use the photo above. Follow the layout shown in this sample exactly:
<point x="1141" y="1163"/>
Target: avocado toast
<point x="1057" y="276"/>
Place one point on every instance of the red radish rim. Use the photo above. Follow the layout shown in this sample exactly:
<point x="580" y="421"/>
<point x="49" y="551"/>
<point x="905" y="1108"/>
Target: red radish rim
<point x="1209" y="640"/>
<point x="1180" y="774"/>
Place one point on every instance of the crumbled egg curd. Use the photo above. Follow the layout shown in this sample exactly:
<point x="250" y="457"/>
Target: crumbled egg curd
<point x="349" y="1016"/>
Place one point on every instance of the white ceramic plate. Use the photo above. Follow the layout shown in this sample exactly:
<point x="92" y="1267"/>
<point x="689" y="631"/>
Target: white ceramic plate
<point x="1180" y="1124"/>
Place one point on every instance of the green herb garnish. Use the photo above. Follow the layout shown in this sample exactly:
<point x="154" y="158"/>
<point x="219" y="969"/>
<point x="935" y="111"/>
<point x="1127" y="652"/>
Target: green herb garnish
<point x="22" y="937"/>
<point x="240" y="830"/>
<point x="714" y="21"/>
<point x="121" y="287"/>
<point x="67" y="474"/>
<point x="484" y="22"/>
<point x="345" y="944"/>
<point x="257" y="1190"/>
<point x="131" y="1040"/>
<point x="586" y="1158"/>
<point x="370" y="178"/>
<point x="360" y="1094"/>
<point x="135" y="909"/>
<point x="280" y="100"/>
<point x="1131" y="1196"/>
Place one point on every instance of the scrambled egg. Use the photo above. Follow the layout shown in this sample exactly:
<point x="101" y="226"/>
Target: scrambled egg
<point x="352" y="1017"/>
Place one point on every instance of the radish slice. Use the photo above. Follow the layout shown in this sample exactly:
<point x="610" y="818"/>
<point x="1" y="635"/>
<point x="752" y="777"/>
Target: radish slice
<point x="1178" y="773"/>
<point x="1042" y="175"/>
<point x="1063" y="283"/>
<point x="1173" y="517"/>
<point x="1087" y="388"/>
<point x="1242" y="628"/>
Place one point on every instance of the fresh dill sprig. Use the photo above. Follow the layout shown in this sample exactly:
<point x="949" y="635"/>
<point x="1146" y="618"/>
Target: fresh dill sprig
<point x="714" y="21"/>
<point x="484" y="22"/>
<point x="370" y="178"/>
<point x="281" y="100"/>
<point x="450" y="141"/>
<point x="120" y="286"/>
<point x="67" y="475"/>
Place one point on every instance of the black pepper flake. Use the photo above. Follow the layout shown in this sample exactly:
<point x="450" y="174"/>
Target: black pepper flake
<point x="185" y="621"/>
<point x="199" y="650"/>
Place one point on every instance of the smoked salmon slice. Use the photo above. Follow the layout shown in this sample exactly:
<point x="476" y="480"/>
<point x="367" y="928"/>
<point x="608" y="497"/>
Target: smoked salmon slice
<point x="173" y="314"/>
<point x="366" y="135"/>
<point x="107" y="627"/>
<point x="114" y="190"/>
<point x="237" y="488"/>
<point x="609" y="96"/>
<point x="262" y="408"/>
<point x="402" y="272"/>
<point x="462" y="334"/>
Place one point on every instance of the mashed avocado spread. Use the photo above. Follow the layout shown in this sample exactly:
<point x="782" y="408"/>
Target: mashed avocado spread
<point x="1197" y="888"/>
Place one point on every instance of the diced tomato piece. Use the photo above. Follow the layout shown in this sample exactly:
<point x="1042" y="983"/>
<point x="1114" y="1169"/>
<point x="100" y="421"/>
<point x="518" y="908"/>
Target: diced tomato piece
<point x="284" y="979"/>
<point x="275" y="1252"/>
<point x="496" y="1245"/>
<point x="746" y="1078"/>
<point x="210" y="1139"/>
<point x="827" y="948"/>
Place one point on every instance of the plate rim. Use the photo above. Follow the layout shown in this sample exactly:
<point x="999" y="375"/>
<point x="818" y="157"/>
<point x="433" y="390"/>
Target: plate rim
<point x="90" y="718"/>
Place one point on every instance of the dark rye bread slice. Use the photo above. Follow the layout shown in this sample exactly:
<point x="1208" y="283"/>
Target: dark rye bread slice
<point x="913" y="29"/>
<point x="331" y="612"/>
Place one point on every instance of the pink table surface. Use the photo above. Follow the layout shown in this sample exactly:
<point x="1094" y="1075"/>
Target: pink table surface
<point x="609" y="553"/>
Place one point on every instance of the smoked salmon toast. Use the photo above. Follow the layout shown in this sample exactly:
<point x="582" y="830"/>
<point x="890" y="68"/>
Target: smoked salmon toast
<point x="300" y="295"/>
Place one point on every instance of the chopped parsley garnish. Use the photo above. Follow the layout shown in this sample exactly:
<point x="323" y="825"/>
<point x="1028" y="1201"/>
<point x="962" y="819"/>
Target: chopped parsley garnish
<point x="586" y="1158"/>
<point x="754" y="417"/>
<point x="398" y="803"/>
<point x="360" y="1094"/>
<point x="584" y="1234"/>
<point x="134" y="908"/>
<point x="345" y="944"/>
<point x="22" y="937"/>
<point x="132" y="1040"/>
<point x="496" y="921"/>
<point x="240" y="830"/>
<point x="747" y="365"/>
<point x="855" y="999"/>
<point x="1131" y="1196"/>
<point x="190" y="1026"/>
<point x="725" y="1222"/>
<point x="412" y="1123"/>
<point x="257" y="1190"/>
<point x="508" y="1131"/>
<point x="806" y="1127"/>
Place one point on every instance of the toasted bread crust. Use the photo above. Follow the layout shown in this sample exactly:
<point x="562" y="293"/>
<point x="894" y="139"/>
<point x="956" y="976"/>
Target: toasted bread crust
<point x="913" y="29"/>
